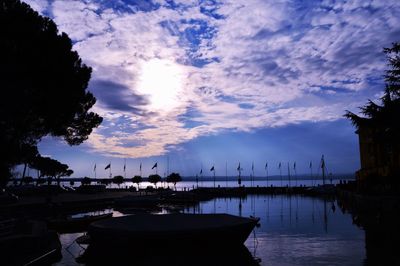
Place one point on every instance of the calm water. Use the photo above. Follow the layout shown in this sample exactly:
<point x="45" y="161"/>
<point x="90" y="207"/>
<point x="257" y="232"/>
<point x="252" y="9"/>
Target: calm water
<point x="293" y="231"/>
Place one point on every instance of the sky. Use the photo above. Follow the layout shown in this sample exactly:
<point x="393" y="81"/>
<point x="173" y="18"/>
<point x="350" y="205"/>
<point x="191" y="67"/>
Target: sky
<point x="214" y="83"/>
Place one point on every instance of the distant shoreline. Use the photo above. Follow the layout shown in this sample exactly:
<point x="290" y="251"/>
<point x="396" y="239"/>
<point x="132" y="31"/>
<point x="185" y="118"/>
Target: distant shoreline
<point x="223" y="178"/>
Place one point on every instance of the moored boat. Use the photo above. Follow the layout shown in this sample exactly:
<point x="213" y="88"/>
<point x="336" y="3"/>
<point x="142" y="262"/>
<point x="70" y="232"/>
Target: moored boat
<point x="171" y="229"/>
<point x="75" y="224"/>
<point x="25" y="242"/>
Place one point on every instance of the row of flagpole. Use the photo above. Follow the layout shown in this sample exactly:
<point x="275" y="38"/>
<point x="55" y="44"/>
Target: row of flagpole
<point x="239" y="169"/>
<point x="108" y="166"/>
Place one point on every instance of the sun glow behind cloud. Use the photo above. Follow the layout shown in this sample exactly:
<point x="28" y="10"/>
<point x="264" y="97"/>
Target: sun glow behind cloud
<point x="162" y="81"/>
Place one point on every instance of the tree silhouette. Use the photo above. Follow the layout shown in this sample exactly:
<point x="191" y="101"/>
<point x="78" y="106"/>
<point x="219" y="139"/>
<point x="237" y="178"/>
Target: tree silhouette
<point x="174" y="178"/>
<point x="27" y="180"/>
<point x="382" y="120"/>
<point x="118" y="179"/>
<point x="137" y="179"/>
<point x="154" y="179"/>
<point x="51" y="168"/>
<point x="86" y="181"/>
<point x="43" y="84"/>
<point x="384" y="117"/>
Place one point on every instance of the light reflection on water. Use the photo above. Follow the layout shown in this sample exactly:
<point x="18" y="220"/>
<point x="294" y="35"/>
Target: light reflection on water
<point x="293" y="231"/>
<point x="296" y="230"/>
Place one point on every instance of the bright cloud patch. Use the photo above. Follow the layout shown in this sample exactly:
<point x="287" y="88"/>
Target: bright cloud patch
<point x="167" y="72"/>
<point x="162" y="81"/>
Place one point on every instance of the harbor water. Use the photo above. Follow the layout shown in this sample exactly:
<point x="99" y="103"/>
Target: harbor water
<point x="294" y="230"/>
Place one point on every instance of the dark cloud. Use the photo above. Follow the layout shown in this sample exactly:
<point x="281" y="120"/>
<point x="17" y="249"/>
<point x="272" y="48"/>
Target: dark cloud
<point x="118" y="97"/>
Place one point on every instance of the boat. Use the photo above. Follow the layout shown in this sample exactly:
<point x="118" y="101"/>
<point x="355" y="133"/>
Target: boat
<point x="183" y="230"/>
<point x="137" y="201"/>
<point x="26" y="242"/>
<point x="75" y="224"/>
<point x="324" y="189"/>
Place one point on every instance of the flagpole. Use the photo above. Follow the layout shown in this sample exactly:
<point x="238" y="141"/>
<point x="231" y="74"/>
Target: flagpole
<point x="140" y="169"/>
<point x="167" y="165"/>
<point x="226" y="173"/>
<point x="288" y="168"/>
<point x="295" y="172"/>
<point x="312" y="179"/>
<point x="124" y="168"/>
<point x="280" y="173"/>
<point x="323" y="169"/>
<point x="239" y="179"/>
<point x="266" y="171"/>
<point x="201" y="174"/>
<point x="110" y="170"/>
<point x="252" y="173"/>
<point x="214" y="175"/>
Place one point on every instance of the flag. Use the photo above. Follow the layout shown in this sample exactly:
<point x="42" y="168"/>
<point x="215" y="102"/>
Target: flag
<point x="108" y="166"/>
<point x="154" y="166"/>
<point x="212" y="168"/>
<point x="279" y="166"/>
<point x="94" y="168"/>
<point x="201" y="171"/>
<point x="252" y="166"/>
<point x="124" y="166"/>
<point x="310" y="164"/>
<point x="294" y="166"/>
<point x="140" y="167"/>
<point x="266" y="165"/>
<point x="238" y="168"/>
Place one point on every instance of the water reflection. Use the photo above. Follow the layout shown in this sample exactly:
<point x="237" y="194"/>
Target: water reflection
<point x="294" y="230"/>
<point x="380" y="223"/>
<point x="170" y="256"/>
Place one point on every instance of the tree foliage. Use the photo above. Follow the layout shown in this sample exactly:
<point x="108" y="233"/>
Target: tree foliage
<point x="86" y="181"/>
<point x="43" y="84"/>
<point x="174" y="178"/>
<point x="137" y="179"/>
<point x="384" y="117"/>
<point x="154" y="179"/>
<point x="118" y="179"/>
<point x="50" y="167"/>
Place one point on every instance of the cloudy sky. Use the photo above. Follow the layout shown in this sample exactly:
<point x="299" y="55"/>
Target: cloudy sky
<point x="208" y="82"/>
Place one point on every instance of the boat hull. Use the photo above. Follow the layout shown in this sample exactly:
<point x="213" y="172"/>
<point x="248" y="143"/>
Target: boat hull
<point x="74" y="225"/>
<point x="171" y="230"/>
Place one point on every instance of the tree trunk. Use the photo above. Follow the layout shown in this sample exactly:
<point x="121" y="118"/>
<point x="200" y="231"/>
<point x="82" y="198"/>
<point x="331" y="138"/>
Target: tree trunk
<point x="23" y="174"/>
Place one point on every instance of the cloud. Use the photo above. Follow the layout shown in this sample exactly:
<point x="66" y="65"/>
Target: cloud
<point x="243" y="64"/>
<point x="117" y="97"/>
